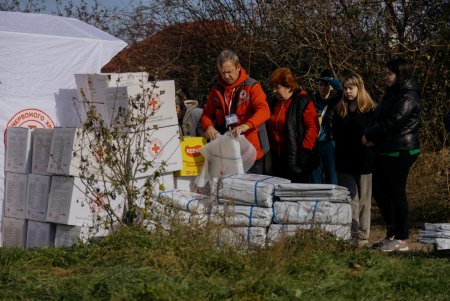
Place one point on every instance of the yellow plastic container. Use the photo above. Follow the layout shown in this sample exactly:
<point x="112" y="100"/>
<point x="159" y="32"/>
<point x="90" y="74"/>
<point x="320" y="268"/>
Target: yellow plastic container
<point x="193" y="161"/>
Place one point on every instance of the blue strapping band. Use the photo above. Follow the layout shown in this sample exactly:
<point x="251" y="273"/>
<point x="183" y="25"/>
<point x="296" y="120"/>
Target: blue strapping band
<point x="159" y="195"/>
<point x="255" y="189"/>
<point x="275" y="218"/>
<point x="189" y="202"/>
<point x="282" y="229"/>
<point x="251" y="215"/>
<point x="314" y="210"/>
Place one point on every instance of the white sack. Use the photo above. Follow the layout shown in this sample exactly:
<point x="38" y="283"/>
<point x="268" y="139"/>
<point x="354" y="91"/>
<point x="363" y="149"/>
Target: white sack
<point x="243" y="237"/>
<point x="250" y="216"/>
<point x="437" y="227"/>
<point x="247" y="189"/>
<point x="434" y="234"/>
<point x="165" y="215"/>
<point x="312" y="212"/>
<point x="312" y="192"/>
<point x="185" y="200"/>
<point x="333" y="199"/>
<point x="226" y="156"/>
<point x="441" y="243"/>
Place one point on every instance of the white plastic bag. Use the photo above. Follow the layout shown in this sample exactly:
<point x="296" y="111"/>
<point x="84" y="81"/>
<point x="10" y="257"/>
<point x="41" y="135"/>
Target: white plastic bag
<point x="226" y="156"/>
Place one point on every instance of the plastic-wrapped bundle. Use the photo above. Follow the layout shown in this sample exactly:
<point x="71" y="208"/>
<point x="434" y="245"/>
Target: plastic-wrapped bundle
<point x="250" y="216"/>
<point x="185" y="200"/>
<point x="225" y="156"/>
<point x="164" y="215"/>
<point x="247" y="189"/>
<point x="437" y="234"/>
<point x="437" y="227"/>
<point x="312" y="213"/>
<point x="336" y="199"/>
<point x="440" y="243"/>
<point x="276" y="232"/>
<point x="312" y="192"/>
<point x="243" y="237"/>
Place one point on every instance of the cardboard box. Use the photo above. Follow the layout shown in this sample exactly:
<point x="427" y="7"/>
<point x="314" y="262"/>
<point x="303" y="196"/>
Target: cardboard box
<point x="162" y="146"/>
<point x="40" y="235"/>
<point x="126" y="79"/>
<point x="160" y="101"/>
<point x="14" y="232"/>
<point x="42" y="142"/>
<point x="192" y="160"/>
<point x="18" y="150"/>
<point x="103" y="90"/>
<point x="69" y="146"/>
<point x="70" y="202"/>
<point x="15" y="195"/>
<point x="164" y="182"/>
<point x="89" y="86"/>
<point x="115" y="104"/>
<point x="67" y="236"/>
<point x="37" y="197"/>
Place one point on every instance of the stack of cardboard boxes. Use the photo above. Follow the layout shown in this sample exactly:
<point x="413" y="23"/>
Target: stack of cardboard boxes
<point x="46" y="200"/>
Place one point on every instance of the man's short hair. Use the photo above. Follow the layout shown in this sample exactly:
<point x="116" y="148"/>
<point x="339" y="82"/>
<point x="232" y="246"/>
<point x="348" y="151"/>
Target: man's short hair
<point x="227" y="55"/>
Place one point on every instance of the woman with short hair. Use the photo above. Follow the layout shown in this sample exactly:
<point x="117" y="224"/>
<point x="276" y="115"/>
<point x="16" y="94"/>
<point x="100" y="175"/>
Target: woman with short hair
<point x="293" y="128"/>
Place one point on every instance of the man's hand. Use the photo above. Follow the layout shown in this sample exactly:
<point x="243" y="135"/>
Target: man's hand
<point x="239" y="130"/>
<point x="211" y="133"/>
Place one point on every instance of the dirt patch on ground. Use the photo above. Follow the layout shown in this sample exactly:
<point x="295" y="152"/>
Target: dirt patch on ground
<point x="377" y="233"/>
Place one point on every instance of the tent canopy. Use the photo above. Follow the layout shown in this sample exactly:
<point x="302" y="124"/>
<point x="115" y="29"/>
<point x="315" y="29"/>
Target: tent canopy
<point x="37" y="49"/>
<point x="48" y="25"/>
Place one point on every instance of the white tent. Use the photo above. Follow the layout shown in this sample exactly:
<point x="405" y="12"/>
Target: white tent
<point x="39" y="55"/>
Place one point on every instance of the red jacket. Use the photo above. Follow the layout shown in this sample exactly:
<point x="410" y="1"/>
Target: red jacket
<point x="252" y="108"/>
<point x="277" y="126"/>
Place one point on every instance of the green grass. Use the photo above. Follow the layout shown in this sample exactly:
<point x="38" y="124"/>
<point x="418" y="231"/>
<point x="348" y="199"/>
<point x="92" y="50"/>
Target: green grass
<point x="187" y="265"/>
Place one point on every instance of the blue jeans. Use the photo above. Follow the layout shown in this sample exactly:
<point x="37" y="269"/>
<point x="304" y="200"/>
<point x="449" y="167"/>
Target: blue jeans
<point x="325" y="173"/>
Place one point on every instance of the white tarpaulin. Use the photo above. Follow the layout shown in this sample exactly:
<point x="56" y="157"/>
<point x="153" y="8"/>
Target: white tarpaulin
<point x="39" y="55"/>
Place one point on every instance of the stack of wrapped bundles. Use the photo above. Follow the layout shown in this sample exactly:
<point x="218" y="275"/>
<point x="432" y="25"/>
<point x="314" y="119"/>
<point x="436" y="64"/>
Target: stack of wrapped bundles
<point x="437" y="234"/>
<point x="306" y="206"/>
<point x="180" y="206"/>
<point x="245" y="206"/>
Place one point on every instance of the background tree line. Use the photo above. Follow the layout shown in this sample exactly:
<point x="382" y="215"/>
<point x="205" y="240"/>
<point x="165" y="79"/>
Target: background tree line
<point x="180" y="39"/>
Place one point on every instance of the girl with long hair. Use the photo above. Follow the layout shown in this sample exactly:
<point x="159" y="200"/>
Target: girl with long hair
<point x="354" y="161"/>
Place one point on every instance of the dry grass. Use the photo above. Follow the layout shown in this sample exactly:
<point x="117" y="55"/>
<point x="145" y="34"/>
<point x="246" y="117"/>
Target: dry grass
<point x="428" y="188"/>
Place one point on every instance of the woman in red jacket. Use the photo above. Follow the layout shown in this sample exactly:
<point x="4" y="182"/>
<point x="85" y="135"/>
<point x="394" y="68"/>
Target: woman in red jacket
<point x="293" y="129"/>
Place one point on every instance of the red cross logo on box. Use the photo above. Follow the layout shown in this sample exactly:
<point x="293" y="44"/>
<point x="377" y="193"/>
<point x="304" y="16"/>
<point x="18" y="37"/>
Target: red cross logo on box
<point x="154" y="103"/>
<point x="156" y="148"/>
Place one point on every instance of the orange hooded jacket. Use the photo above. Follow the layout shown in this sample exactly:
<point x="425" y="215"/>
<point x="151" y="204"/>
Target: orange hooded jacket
<point x="252" y="108"/>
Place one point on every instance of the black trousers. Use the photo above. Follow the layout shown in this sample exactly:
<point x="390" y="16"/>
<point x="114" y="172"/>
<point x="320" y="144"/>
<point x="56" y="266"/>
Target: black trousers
<point x="389" y="178"/>
<point x="257" y="167"/>
<point x="282" y="169"/>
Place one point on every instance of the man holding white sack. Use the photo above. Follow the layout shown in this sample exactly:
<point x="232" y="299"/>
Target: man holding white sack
<point x="237" y="102"/>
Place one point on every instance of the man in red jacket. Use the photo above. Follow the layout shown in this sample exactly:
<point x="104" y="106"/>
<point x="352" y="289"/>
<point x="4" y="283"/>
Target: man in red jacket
<point x="236" y="102"/>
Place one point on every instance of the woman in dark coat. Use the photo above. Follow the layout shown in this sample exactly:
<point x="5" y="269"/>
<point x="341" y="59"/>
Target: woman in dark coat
<point x="395" y="137"/>
<point x="354" y="161"/>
